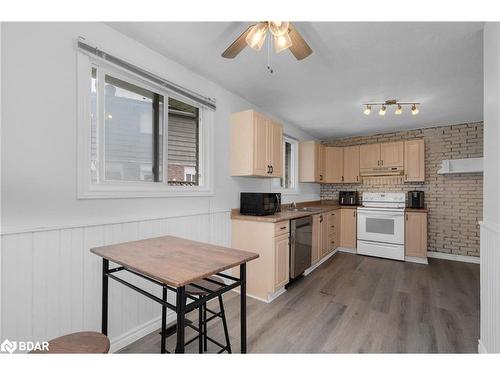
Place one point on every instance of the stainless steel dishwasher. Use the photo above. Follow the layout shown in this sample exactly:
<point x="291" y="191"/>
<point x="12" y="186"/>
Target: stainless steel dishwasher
<point x="300" y="245"/>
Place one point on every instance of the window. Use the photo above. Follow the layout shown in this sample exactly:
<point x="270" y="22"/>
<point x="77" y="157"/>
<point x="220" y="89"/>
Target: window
<point x="129" y="145"/>
<point x="289" y="181"/>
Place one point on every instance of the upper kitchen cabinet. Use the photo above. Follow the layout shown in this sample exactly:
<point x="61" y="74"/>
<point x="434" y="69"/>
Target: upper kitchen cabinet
<point x="376" y="155"/>
<point x="414" y="160"/>
<point x="334" y="165"/>
<point x="256" y="145"/>
<point x="311" y="162"/>
<point x="391" y="154"/>
<point x="351" y="164"/>
<point x="369" y="156"/>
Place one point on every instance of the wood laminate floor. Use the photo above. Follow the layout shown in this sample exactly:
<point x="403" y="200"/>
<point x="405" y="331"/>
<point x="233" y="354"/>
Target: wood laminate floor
<point x="357" y="304"/>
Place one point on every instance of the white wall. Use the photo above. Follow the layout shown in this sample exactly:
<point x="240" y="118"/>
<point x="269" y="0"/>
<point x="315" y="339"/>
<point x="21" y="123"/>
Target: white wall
<point x="39" y="153"/>
<point x="50" y="283"/>
<point x="490" y="227"/>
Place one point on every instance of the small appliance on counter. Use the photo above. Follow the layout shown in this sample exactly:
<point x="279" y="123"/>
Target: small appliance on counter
<point x="260" y="204"/>
<point x="348" y="198"/>
<point x="415" y="199"/>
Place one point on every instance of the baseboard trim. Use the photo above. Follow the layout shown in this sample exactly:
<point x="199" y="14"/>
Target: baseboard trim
<point x="347" y="250"/>
<point x="481" y="349"/>
<point x="323" y="260"/>
<point x="455" y="257"/>
<point x="138" y="332"/>
<point x="416" y="260"/>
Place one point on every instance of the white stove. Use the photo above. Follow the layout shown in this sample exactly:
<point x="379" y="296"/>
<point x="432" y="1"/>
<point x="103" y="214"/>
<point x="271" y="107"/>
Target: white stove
<point x="381" y="225"/>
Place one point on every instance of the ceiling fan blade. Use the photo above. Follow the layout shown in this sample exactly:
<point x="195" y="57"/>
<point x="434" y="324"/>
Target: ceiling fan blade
<point x="237" y="46"/>
<point x="299" y="47"/>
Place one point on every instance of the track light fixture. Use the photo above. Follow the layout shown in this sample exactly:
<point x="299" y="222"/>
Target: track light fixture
<point x="398" y="111"/>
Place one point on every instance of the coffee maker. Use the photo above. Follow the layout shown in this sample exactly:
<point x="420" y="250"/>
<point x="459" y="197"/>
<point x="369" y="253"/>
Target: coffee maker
<point x="415" y="199"/>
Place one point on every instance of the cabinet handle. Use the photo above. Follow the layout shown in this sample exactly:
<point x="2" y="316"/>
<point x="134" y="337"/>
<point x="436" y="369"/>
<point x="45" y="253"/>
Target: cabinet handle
<point x="342" y="178"/>
<point x="354" y="214"/>
<point x="378" y="162"/>
<point x="321" y="218"/>
<point x="357" y="178"/>
<point x="283" y="228"/>
<point x="406" y="217"/>
<point x="381" y="162"/>
<point x="272" y="169"/>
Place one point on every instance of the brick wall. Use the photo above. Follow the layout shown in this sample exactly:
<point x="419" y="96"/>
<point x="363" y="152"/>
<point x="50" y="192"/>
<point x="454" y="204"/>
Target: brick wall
<point x="455" y="202"/>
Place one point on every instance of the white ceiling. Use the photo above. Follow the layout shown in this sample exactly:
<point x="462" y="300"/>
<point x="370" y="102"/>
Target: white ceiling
<point x="437" y="64"/>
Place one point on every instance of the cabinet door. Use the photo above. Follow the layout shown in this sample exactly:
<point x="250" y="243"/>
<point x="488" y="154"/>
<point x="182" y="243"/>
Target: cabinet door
<point x="334" y="164"/>
<point x="351" y="164"/>
<point x="276" y="149"/>
<point x="416" y="234"/>
<point x="324" y="235"/>
<point x="319" y="162"/>
<point x="316" y="239"/>
<point x="391" y="154"/>
<point x="261" y="145"/>
<point x="348" y="228"/>
<point x="281" y="261"/>
<point x="414" y="160"/>
<point x="369" y="156"/>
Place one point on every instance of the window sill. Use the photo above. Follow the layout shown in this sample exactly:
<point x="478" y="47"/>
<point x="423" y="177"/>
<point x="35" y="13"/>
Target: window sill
<point x="106" y="192"/>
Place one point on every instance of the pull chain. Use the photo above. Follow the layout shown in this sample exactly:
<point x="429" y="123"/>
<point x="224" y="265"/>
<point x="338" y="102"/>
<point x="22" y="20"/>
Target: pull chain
<point x="269" y="45"/>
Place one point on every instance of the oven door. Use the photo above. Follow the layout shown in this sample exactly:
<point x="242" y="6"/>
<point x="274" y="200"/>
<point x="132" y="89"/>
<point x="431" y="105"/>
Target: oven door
<point x="379" y="225"/>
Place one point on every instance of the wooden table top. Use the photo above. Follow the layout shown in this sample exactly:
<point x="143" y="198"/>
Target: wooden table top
<point x="172" y="260"/>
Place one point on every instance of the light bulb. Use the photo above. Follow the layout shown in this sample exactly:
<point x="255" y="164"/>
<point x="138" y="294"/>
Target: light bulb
<point x="110" y="116"/>
<point x="257" y="35"/>
<point x="282" y="42"/>
<point x="398" y="110"/>
<point x="414" y="110"/>
<point x="367" y="110"/>
<point x="382" y="111"/>
<point x="279" y="28"/>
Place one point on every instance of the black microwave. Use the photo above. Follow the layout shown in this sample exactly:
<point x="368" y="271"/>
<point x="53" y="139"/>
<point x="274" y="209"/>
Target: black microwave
<point x="260" y="204"/>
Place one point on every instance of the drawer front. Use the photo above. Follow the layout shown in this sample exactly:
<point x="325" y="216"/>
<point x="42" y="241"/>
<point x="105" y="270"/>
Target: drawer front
<point x="282" y="227"/>
<point x="332" y="223"/>
<point x="332" y="241"/>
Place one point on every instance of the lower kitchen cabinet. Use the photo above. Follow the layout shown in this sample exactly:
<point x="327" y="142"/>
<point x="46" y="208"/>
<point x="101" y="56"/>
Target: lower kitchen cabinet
<point x="416" y="234"/>
<point x="324" y="235"/>
<point x="333" y="220"/>
<point x="267" y="274"/>
<point x="348" y="222"/>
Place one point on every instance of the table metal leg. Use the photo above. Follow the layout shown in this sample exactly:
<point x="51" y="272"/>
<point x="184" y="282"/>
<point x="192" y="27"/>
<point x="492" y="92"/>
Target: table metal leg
<point x="104" y="316"/>
<point x="205" y="328"/>
<point x="243" y="307"/>
<point x="201" y="330"/>
<point x="180" y="307"/>
<point x="164" y="322"/>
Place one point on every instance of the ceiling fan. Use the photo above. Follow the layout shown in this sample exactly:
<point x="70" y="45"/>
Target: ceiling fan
<point x="283" y="34"/>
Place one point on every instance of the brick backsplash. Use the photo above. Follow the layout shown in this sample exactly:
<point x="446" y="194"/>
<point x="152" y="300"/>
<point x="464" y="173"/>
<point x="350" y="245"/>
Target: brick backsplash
<point x="454" y="202"/>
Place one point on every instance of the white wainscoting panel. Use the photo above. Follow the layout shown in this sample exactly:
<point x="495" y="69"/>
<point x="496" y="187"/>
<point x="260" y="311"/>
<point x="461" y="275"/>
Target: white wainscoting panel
<point x="51" y="283"/>
<point x="490" y="288"/>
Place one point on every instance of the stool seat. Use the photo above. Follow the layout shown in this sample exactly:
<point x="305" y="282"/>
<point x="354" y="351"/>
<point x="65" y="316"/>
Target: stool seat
<point x="79" y="342"/>
<point x="213" y="287"/>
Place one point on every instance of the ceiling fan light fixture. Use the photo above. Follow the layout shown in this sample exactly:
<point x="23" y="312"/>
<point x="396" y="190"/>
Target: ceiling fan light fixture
<point x="257" y="35"/>
<point x="398" y="110"/>
<point x="279" y="28"/>
<point x="282" y="42"/>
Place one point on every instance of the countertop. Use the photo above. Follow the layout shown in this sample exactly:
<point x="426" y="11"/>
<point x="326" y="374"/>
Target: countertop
<point x="285" y="214"/>
<point x="408" y="209"/>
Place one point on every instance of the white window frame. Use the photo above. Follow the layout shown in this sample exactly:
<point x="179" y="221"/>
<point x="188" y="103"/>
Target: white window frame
<point x="294" y="190"/>
<point x="134" y="189"/>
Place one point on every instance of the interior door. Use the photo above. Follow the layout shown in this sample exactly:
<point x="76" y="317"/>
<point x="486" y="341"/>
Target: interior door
<point x="392" y="154"/>
<point x="351" y="164"/>
<point x="334" y="164"/>
<point x="369" y="156"/>
<point x="261" y="145"/>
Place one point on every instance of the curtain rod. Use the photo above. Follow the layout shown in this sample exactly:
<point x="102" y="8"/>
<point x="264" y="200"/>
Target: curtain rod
<point x="203" y="100"/>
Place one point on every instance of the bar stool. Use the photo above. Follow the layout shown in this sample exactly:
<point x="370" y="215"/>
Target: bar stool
<point x="77" y="343"/>
<point x="191" y="290"/>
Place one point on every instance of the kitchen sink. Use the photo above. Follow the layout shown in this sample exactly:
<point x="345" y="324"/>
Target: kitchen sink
<point x="304" y="209"/>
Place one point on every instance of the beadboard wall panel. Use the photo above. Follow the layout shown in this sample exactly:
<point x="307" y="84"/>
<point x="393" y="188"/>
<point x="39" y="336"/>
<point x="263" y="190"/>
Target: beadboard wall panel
<point x="51" y="283"/>
<point x="490" y="293"/>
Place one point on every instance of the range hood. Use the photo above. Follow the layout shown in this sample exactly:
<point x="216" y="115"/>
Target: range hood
<point x="382" y="171"/>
